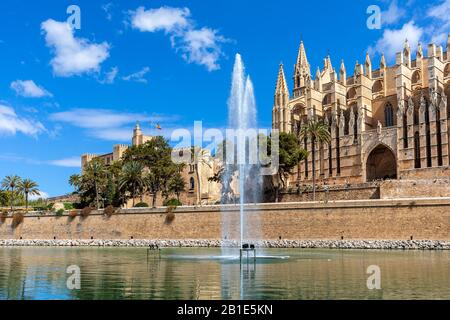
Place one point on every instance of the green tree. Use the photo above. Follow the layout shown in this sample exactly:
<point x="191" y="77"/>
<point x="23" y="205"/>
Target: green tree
<point x="177" y="185"/>
<point x="4" y="198"/>
<point x="95" y="174"/>
<point x="155" y="155"/>
<point x="28" y="188"/>
<point x="11" y="183"/>
<point x="317" y="132"/>
<point x="290" y="154"/>
<point x="75" y="181"/>
<point x="131" y="180"/>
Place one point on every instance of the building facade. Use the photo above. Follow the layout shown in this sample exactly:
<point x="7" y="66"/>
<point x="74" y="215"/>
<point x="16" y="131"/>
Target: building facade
<point x="199" y="190"/>
<point x="386" y="122"/>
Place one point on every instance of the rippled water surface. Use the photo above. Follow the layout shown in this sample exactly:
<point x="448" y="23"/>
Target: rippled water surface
<point x="127" y="273"/>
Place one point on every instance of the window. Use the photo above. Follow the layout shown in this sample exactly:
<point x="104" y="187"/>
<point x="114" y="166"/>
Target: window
<point x="388" y="115"/>
<point x="416" y="150"/>
<point x="191" y="183"/>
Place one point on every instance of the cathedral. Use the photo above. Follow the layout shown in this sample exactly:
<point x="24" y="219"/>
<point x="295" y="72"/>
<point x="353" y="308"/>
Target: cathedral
<point x="385" y="122"/>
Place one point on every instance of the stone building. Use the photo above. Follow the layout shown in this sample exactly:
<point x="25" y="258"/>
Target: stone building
<point x="198" y="189"/>
<point x="385" y="121"/>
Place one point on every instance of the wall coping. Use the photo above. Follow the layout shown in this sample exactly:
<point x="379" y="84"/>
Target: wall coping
<point x="351" y="204"/>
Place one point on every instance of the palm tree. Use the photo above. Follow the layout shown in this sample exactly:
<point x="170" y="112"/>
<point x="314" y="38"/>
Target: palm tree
<point x="95" y="172"/>
<point x="75" y="181"/>
<point x="10" y="183"/>
<point x="131" y="179"/>
<point x="29" y="188"/>
<point x="317" y="131"/>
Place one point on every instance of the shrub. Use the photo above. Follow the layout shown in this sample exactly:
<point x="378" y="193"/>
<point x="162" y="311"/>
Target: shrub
<point x="85" y="212"/>
<point x="73" y="213"/>
<point x="109" y="210"/>
<point x="59" y="212"/>
<point x="17" y="219"/>
<point x="77" y="205"/>
<point x="170" y="216"/>
<point x="141" y="205"/>
<point x="173" y="202"/>
<point x="50" y="206"/>
<point x="68" y="206"/>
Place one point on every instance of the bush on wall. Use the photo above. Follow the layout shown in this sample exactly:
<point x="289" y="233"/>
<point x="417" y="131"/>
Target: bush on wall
<point x="109" y="211"/>
<point x="141" y="205"/>
<point x="17" y="219"/>
<point x="85" y="212"/>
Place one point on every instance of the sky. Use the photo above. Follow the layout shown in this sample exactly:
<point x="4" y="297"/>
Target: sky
<point x="70" y="86"/>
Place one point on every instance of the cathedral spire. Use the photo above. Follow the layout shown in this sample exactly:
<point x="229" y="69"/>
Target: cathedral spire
<point x="342" y="72"/>
<point x="419" y="51"/>
<point x="281" y="90"/>
<point x="302" y="60"/>
<point x="281" y="87"/>
<point x="448" y="42"/>
<point x="327" y="63"/>
<point x="382" y="62"/>
<point x="368" y="66"/>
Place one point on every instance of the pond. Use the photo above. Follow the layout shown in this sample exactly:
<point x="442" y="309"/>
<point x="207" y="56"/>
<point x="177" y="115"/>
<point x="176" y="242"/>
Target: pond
<point x="198" y="273"/>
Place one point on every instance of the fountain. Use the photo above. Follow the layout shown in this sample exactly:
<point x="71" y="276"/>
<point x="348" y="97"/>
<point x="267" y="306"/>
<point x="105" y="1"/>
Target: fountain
<point x="242" y="121"/>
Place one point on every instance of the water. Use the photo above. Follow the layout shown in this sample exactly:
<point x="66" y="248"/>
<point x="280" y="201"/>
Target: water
<point x="123" y="273"/>
<point x="242" y="118"/>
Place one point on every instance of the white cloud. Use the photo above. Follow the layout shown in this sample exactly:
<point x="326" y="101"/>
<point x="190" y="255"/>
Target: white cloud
<point x="137" y="76"/>
<point x="107" y="9"/>
<point x="165" y="18"/>
<point x="110" y="76"/>
<point x="97" y="118"/>
<point x="393" y="14"/>
<point x="393" y="40"/>
<point x="197" y="45"/>
<point x="202" y="47"/>
<point x="11" y="123"/>
<point x="440" y="25"/>
<point x="41" y="195"/>
<point x="73" y="162"/>
<point x="109" y="124"/>
<point x="29" y="89"/>
<point x="441" y="11"/>
<point x="115" y="134"/>
<point x="73" y="56"/>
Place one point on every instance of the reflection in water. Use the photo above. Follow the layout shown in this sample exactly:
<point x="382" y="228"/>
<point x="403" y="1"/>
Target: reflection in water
<point x="125" y="273"/>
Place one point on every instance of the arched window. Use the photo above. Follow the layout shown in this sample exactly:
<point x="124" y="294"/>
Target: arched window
<point x="447" y="70"/>
<point x="388" y="115"/>
<point x="377" y="86"/>
<point x="191" y="183"/>
<point x="416" y="77"/>
<point x="351" y="93"/>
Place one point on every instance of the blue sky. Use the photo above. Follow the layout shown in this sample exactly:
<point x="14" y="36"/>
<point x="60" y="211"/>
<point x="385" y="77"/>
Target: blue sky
<point x="64" y="92"/>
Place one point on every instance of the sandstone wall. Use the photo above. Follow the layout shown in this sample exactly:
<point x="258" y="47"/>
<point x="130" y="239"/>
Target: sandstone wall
<point x="369" y="191"/>
<point x="364" y="219"/>
<point x="391" y="189"/>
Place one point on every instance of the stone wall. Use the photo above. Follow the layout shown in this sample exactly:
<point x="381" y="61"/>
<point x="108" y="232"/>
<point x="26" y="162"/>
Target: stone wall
<point x="361" y="192"/>
<point x="363" y="219"/>
<point x="392" y="189"/>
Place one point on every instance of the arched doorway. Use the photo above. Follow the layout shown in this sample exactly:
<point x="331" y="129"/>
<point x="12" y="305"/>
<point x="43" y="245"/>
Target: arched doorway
<point x="381" y="164"/>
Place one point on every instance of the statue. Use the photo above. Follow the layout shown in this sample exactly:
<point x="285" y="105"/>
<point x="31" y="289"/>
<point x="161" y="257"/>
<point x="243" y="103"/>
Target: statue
<point x="379" y="127"/>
